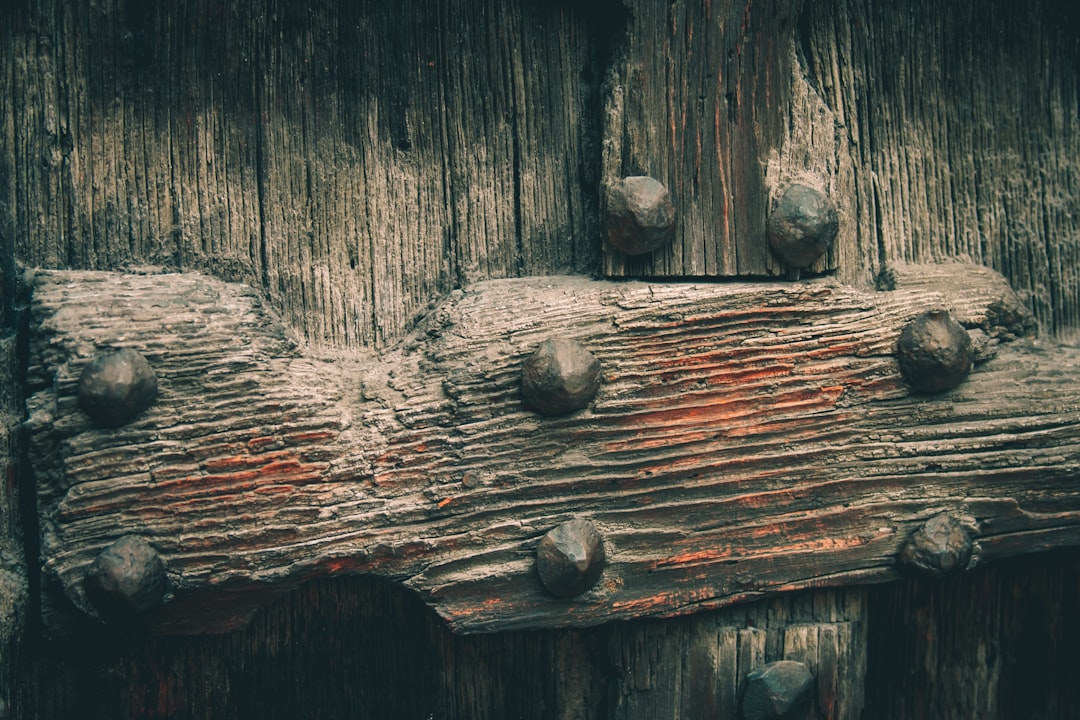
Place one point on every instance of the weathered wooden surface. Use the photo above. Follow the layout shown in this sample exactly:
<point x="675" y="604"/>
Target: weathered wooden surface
<point x="355" y="165"/>
<point x="747" y="439"/>
<point x="352" y="164"/>
<point x="933" y="142"/>
<point x="702" y="126"/>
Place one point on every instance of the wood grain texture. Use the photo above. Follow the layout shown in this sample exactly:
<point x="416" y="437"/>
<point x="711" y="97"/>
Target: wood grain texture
<point x="933" y="142"/>
<point x="354" y="165"/>
<point x="694" y="100"/>
<point x="747" y="440"/>
<point x="961" y="121"/>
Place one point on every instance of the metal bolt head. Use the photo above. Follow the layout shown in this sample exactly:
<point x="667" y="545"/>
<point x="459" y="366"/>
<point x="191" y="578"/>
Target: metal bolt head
<point x="640" y="215"/>
<point x="941" y="546"/>
<point x="127" y="579"/>
<point x="570" y="558"/>
<point x="560" y="377"/>
<point x="802" y="226"/>
<point x="781" y="690"/>
<point x="115" y="387"/>
<point x="934" y="352"/>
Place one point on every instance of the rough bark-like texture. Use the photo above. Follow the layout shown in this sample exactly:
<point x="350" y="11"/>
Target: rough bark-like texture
<point x="354" y="163"/>
<point x="747" y="439"/>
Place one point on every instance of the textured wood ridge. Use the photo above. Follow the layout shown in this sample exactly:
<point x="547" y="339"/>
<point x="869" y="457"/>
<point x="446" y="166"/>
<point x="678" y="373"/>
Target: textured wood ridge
<point x="747" y="439"/>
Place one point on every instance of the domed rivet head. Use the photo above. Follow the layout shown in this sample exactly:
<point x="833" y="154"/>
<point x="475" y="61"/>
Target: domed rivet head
<point x="802" y="226"/>
<point x="941" y="546"/>
<point x="640" y="215"/>
<point x="560" y="377"/>
<point x="115" y="387"/>
<point x="934" y="352"/>
<point x="127" y="578"/>
<point x="781" y="690"/>
<point x="570" y="558"/>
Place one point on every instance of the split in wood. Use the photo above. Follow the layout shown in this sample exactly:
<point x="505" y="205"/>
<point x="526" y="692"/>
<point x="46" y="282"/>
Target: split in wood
<point x="115" y="387"/>
<point x="570" y="558"/>
<point x="640" y="215"/>
<point x="127" y="579"/>
<point x="560" y="377"/>
<point x="781" y="690"/>
<point x="940" y="547"/>
<point x="802" y="226"/>
<point x="934" y="352"/>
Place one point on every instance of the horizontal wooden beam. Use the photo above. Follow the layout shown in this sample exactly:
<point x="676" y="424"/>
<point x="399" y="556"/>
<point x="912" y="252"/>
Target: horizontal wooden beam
<point x="746" y="439"/>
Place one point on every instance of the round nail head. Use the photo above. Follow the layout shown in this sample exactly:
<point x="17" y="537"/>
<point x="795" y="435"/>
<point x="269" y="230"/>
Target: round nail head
<point x="781" y="690"/>
<point x="802" y="226"/>
<point x="560" y="377"/>
<point x="115" y="387"/>
<point x="640" y="215"/>
<point x="570" y="558"/>
<point x="127" y="578"/>
<point x="940" y="547"/>
<point x="934" y="352"/>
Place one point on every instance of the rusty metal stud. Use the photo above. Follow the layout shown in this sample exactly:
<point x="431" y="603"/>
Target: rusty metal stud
<point x="560" y="377"/>
<point x="640" y="215"/>
<point x="802" y="226"/>
<point x="781" y="690"/>
<point x="941" y="546"/>
<point x="117" y="386"/>
<point x="570" y="558"/>
<point x="934" y="352"/>
<point x="127" y="579"/>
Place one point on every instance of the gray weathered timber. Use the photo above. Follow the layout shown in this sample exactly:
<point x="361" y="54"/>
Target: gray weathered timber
<point x="353" y="164"/>
<point x="932" y="141"/>
<point x="747" y="439"/>
<point x="356" y="164"/>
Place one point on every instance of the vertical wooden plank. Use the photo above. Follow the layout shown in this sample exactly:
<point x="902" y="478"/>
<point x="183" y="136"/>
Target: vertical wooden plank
<point x="703" y="125"/>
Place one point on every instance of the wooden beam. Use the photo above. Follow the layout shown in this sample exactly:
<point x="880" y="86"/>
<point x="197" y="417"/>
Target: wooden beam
<point x="747" y="439"/>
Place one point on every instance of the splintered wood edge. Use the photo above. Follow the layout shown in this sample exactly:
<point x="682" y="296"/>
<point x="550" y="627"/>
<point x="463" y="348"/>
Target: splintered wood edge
<point x="747" y="439"/>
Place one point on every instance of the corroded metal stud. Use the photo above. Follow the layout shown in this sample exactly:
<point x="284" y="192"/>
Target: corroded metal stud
<point x="781" y="690"/>
<point x="117" y="386"/>
<point x="802" y="226"/>
<point x="570" y="558"/>
<point x="941" y="546"/>
<point x="560" y="377"/>
<point x="934" y="352"/>
<point x="127" y="579"/>
<point x="640" y="215"/>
